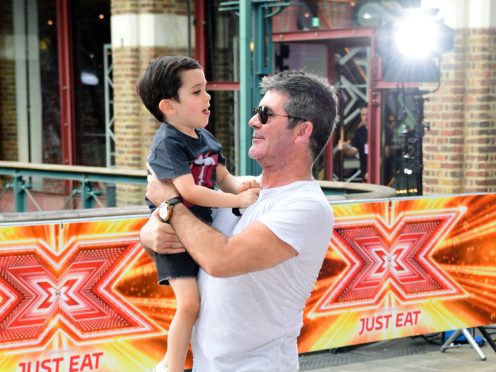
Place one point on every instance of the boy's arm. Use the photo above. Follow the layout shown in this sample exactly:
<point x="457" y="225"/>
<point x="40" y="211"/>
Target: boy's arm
<point x="206" y="197"/>
<point x="226" y="181"/>
<point x="229" y="183"/>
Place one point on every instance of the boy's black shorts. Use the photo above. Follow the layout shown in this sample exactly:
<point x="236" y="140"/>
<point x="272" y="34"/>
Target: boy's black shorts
<point x="173" y="266"/>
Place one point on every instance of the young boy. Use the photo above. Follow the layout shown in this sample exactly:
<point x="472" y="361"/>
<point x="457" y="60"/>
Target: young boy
<point x="173" y="89"/>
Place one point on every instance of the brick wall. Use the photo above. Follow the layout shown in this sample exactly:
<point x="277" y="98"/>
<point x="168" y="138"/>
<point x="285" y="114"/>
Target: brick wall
<point x="134" y="126"/>
<point x="460" y="148"/>
<point x="8" y="113"/>
<point x="480" y="112"/>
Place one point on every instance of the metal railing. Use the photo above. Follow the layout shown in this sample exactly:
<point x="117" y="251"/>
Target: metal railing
<point x="86" y="176"/>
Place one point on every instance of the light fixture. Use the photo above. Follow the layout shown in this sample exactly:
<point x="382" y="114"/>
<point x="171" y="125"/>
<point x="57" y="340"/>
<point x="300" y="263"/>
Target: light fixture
<point x="89" y="78"/>
<point x="416" y="37"/>
<point x="411" y="45"/>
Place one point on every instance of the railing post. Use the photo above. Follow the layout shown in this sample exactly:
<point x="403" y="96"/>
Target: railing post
<point x="20" y="196"/>
<point x="110" y="194"/>
<point x="87" y="200"/>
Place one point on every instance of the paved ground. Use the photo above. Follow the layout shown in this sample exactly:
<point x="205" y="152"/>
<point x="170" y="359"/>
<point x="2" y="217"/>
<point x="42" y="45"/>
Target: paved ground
<point x="406" y="354"/>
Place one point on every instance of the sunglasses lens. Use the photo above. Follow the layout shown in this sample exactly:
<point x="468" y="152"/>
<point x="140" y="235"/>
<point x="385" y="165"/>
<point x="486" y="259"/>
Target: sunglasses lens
<point x="263" y="114"/>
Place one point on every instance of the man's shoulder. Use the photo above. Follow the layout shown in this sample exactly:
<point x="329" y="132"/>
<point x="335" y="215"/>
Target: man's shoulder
<point x="302" y="192"/>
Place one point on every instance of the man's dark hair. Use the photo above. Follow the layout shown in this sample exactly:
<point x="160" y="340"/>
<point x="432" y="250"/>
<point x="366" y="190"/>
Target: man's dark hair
<point x="162" y="80"/>
<point x="309" y="97"/>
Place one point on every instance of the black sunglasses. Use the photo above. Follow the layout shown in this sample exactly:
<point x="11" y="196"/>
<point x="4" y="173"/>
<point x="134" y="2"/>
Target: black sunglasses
<point x="264" y="113"/>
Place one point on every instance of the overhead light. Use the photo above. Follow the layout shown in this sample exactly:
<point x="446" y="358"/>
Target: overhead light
<point x="416" y="37"/>
<point x="418" y="34"/>
<point x="89" y="78"/>
<point x="411" y="44"/>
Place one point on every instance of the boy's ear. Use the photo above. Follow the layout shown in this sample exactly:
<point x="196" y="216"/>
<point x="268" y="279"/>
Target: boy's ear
<point x="166" y="106"/>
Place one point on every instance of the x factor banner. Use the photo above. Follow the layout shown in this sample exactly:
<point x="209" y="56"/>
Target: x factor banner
<point x="82" y="295"/>
<point x="404" y="267"/>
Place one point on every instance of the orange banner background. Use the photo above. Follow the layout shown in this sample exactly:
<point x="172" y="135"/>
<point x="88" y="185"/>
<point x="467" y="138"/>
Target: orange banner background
<point x="82" y="296"/>
<point x="402" y="268"/>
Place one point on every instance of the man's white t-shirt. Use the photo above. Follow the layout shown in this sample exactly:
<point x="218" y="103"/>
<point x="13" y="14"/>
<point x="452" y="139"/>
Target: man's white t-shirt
<point x="251" y="322"/>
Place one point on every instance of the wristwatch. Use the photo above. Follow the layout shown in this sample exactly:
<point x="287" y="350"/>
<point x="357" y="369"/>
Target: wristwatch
<point x="165" y="208"/>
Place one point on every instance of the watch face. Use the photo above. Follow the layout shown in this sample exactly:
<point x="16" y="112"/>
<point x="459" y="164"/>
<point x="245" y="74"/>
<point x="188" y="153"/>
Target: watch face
<point x="164" y="211"/>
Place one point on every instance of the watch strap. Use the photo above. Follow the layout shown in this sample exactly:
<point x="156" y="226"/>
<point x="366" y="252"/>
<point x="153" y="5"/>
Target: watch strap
<point x="174" y="201"/>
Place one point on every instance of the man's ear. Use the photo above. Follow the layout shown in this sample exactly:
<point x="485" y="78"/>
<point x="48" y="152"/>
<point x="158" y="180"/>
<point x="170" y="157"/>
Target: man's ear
<point x="303" y="131"/>
<point x="166" y="106"/>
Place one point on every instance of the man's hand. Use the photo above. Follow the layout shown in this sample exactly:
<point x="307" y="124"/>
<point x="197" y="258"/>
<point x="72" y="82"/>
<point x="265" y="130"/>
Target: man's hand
<point x="158" y="191"/>
<point x="159" y="237"/>
<point x="348" y="149"/>
<point x="343" y="144"/>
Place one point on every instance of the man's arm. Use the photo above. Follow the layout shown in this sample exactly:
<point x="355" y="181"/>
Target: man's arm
<point x="157" y="236"/>
<point x="253" y="249"/>
<point x="347" y="148"/>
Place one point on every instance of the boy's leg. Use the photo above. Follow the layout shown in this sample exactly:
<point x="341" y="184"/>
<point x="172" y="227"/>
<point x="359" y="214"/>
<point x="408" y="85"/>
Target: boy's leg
<point x="187" y="309"/>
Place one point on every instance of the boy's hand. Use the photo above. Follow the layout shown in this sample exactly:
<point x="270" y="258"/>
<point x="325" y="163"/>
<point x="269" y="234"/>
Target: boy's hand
<point x="248" y="184"/>
<point x="248" y="197"/>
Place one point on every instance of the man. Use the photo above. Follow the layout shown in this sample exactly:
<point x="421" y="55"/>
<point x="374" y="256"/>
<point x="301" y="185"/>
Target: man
<point x="254" y="284"/>
<point x="359" y="143"/>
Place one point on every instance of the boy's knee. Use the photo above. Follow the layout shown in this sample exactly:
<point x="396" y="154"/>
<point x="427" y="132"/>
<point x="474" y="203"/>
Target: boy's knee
<point x="190" y="308"/>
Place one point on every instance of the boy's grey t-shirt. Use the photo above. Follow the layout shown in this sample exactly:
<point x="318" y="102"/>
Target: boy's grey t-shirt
<point x="173" y="154"/>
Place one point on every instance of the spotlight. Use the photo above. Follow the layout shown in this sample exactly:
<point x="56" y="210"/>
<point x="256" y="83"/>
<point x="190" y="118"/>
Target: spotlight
<point x="411" y="44"/>
<point x="416" y="37"/>
<point x="418" y="34"/>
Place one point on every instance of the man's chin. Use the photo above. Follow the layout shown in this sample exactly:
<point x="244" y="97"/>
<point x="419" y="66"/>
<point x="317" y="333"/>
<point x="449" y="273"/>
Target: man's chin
<point x="252" y="154"/>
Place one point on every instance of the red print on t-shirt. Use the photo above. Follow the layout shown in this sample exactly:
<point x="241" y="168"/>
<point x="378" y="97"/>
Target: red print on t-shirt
<point x="202" y="169"/>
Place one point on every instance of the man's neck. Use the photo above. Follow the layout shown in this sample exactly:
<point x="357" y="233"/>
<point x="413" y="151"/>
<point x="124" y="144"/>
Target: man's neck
<point x="276" y="177"/>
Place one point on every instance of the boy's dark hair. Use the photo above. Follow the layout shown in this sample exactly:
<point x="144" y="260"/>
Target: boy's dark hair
<point x="162" y="80"/>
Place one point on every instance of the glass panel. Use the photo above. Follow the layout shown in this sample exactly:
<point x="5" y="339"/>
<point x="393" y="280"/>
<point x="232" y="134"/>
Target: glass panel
<point x="309" y="57"/>
<point x="91" y="31"/>
<point x="29" y="82"/>
<point x="49" y="82"/>
<point x="222" y="49"/>
<point x="222" y="124"/>
<point x="8" y="117"/>
<point x="402" y="134"/>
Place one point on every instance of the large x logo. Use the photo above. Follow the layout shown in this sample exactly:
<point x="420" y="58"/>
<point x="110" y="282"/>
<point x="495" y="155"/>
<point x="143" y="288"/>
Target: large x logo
<point x="43" y="292"/>
<point x="389" y="259"/>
